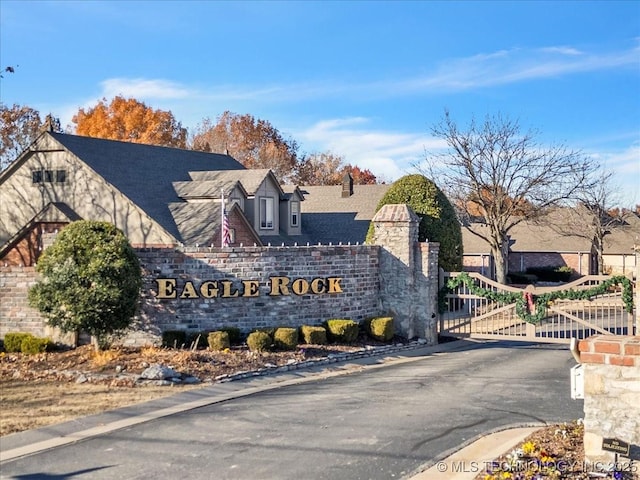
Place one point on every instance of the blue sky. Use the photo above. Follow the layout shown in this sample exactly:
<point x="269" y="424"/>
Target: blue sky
<point x="365" y="80"/>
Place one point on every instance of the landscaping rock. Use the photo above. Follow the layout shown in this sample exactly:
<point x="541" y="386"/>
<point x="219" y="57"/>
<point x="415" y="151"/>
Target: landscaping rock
<point x="159" y="372"/>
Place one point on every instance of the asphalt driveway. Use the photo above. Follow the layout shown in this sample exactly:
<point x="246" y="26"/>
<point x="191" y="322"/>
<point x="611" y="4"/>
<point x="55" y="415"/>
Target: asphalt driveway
<point x="376" y="421"/>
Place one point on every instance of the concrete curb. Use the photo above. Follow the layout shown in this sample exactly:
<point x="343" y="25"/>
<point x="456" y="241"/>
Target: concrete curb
<point x="34" y="441"/>
<point x="471" y="460"/>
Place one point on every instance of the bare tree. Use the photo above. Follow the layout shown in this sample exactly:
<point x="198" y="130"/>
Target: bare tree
<point x="595" y="215"/>
<point x="497" y="174"/>
<point x="19" y="127"/>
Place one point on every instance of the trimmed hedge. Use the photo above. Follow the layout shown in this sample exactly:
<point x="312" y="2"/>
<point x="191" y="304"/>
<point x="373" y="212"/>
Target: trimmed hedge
<point x="259" y="341"/>
<point x="313" y="335"/>
<point x="26" y="343"/>
<point x="551" y="274"/>
<point x="13" y="341"/>
<point x="380" y="328"/>
<point x="286" y="338"/>
<point x="200" y="337"/>
<point x="218" y="341"/>
<point x="33" y="345"/>
<point x="342" y="330"/>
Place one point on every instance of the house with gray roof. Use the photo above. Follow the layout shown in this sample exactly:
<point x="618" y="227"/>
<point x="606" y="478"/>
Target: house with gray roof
<point x="158" y="196"/>
<point x="541" y="243"/>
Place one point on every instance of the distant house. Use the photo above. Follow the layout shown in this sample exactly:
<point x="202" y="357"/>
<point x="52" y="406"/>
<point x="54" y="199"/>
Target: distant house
<point x="538" y="244"/>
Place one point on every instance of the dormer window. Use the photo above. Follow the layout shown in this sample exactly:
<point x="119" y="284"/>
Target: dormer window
<point x="266" y="213"/>
<point x="295" y="214"/>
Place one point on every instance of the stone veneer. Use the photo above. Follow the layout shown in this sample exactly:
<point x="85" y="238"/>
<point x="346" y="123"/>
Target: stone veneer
<point x="611" y="393"/>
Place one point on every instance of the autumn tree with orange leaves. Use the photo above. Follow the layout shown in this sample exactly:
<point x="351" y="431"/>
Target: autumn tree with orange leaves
<point x="255" y="143"/>
<point x="129" y="120"/>
<point x="329" y="169"/>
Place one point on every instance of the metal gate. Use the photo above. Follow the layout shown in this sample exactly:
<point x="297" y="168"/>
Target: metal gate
<point x="467" y="314"/>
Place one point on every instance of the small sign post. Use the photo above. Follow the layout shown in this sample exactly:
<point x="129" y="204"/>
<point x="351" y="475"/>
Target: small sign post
<point x="616" y="446"/>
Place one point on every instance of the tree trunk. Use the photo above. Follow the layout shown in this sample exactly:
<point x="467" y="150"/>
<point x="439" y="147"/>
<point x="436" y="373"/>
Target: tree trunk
<point x="501" y="257"/>
<point x="501" y="267"/>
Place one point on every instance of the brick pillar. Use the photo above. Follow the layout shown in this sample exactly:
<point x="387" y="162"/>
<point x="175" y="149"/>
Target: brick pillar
<point x="408" y="273"/>
<point x="611" y="393"/>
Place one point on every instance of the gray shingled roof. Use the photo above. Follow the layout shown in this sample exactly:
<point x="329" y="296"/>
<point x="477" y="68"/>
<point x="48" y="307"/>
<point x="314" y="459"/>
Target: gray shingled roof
<point x="206" y="188"/>
<point x="145" y="173"/>
<point x="540" y="237"/>
<point x="327" y="217"/>
<point x="197" y="222"/>
<point x="251" y="179"/>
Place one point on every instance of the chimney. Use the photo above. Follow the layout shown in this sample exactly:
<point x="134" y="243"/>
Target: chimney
<point x="347" y="185"/>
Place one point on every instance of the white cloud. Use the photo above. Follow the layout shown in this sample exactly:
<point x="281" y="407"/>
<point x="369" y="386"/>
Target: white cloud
<point x="140" y="88"/>
<point x="516" y="65"/>
<point x="387" y="154"/>
<point x="626" y="167"/>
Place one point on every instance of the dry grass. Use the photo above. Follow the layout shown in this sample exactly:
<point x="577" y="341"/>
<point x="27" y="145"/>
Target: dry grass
<point x="40" y="390"/>
<point x="29" y="405"/>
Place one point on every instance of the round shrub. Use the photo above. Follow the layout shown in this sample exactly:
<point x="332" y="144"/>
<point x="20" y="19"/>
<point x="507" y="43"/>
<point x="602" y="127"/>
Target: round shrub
<point x="313" y="335"/>
<point x="235" y="335"/>
<point x="438" y="220"/>
<point x="91" y="280"/>
<point x="174" y="338"/>
<point x="218" y="341"/>
<point x="342" y="331"/>
<point x="259" y="341"/>
<point x="286" y="338"/>
<point x="380" y="328"/>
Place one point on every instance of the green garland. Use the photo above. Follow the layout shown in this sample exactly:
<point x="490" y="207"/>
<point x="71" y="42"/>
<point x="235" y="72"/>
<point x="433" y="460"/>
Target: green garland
<point x="526" y="302"/>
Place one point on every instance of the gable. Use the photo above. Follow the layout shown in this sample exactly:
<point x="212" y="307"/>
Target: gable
<point x="145" y="173"/>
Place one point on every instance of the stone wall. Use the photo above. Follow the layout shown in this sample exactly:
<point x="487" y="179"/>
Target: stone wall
<point x="611" y="393"/>
<point x="409" y="278"/>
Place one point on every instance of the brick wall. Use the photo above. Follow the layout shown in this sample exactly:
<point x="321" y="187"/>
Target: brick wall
<point x="15" y="313"/>
<point x="611" y="393"/>
<point x="356" y="266"/>
<point x="214" y="287"/>
<point x="520" y="261"/>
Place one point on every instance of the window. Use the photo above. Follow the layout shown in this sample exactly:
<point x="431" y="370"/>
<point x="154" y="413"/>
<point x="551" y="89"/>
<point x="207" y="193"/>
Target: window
<point x="295" y="214"/>
<point x="49" y="176"/>
<point x="266" y="212"/>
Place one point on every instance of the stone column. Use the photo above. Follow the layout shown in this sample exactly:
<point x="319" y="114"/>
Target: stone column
<point x="611" y="395"/>
<point x="408" y="273"/>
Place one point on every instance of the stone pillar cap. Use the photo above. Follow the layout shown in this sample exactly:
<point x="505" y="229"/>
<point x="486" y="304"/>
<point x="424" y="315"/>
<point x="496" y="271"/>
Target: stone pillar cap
<point x="396" y="213"/>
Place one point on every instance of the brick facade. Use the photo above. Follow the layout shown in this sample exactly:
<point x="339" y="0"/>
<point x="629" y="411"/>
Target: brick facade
<point x="357" y="267"/>
<point x="15" y="314"/>
<point x="26" y="251"/>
